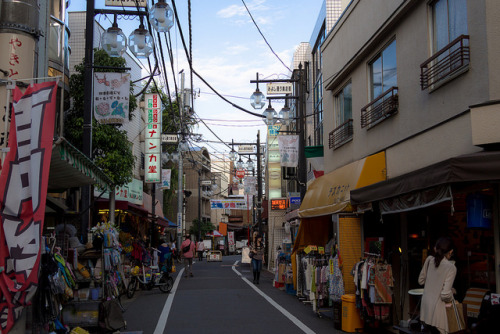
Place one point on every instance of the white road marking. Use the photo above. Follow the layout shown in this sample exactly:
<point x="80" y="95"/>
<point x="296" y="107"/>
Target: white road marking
<point x="162" y="320"/>
<point x="287" y="314"/>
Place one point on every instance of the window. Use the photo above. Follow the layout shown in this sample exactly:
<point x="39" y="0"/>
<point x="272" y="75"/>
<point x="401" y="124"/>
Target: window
<point x="450" y="44"/>
<point x="343" y="105"/>
<point x="383" y="87"/>
<point x="343" y="118"/>
<point x="318" y="87"/>
<point x="449" y="21"/>
<point x="383" y="71"/>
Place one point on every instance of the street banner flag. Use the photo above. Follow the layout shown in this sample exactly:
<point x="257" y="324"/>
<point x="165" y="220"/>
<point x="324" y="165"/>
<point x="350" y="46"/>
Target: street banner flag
<point x="23" y="192"/>
<point x="111" y="97"/>
<point x="165" y="178"/>
<point x="289" y="150"/>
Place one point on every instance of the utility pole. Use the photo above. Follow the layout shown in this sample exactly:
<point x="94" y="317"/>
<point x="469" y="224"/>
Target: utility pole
<point x="199" y="204"/>
<point x="87" y="113"/>
<point x="180" y="184"/>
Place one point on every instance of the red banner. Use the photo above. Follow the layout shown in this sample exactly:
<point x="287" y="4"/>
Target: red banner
<point x="23" y="192"/>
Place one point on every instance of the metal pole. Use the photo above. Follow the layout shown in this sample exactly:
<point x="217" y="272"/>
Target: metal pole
<point x="199" y="205"/>
<point x="87" y="113"/>
<point x="301" y="129"/>
<point x="180" y="193"/>
<point x="259" y="184"/>
<point x="153" y="202"/>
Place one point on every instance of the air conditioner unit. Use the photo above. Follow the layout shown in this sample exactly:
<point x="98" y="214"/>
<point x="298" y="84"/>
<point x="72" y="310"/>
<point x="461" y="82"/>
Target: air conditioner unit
<point x="142" y="137"/>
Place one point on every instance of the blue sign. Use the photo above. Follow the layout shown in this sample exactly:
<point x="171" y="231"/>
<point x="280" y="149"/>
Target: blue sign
<point x="295" y="200"/>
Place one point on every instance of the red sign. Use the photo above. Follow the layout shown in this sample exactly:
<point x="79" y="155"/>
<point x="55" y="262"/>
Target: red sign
<point x="240" y="173"/>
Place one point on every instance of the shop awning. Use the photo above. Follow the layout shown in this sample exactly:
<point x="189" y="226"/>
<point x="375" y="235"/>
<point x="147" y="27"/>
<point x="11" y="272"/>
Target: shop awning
<point x="480" y="166"/>
<point x="70" y="168"/>
<point x="329" y="193"/>
<point x="103" y="204"/>
<point x="163" y="221"/>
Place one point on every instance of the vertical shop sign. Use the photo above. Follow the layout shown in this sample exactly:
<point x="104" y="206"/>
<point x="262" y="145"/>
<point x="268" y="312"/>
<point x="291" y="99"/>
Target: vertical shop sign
<point x="152" y="172"/>
<point x="111" y="97"/>
<point x="17" y="59"/>
<point x="23" y="193"/>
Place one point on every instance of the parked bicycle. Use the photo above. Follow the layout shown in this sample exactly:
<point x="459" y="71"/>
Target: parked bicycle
<point x="148" y="278"/>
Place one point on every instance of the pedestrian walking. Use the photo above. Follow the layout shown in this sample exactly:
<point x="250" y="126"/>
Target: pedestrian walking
<point x="257" y="252"/>
<point x="188" y="249"/>
<point x="200" y="248"/>
<point x="437" y="276"/>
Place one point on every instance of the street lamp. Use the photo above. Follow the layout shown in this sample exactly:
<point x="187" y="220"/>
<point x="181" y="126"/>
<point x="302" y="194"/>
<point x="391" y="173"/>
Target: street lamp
<point x="250" y="165"/>
<point x="285" y="114"/>
<point x="113" y="40"/>
<point x="161" y="16"/>
<point x="183" y="146"/>
<point x="233" y="155"/>
<point x="239" y="164"/>
<point x="270" y="115"/>
<point x="257" y="98"/>
<point x="140" y="42"/>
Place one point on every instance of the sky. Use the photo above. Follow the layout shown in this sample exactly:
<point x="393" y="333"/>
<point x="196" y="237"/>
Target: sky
<point x="228" y="51"/>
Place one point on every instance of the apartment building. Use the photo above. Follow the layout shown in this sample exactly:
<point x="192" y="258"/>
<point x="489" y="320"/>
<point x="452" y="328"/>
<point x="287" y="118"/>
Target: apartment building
<point x="410" y="106"/>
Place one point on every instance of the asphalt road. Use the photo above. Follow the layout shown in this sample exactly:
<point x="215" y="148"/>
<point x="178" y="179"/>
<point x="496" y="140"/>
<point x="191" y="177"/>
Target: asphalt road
<point x="221" y="298"/>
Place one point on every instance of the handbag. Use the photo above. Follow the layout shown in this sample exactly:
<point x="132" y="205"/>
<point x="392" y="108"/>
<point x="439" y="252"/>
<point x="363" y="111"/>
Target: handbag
<point x="455" y="316"/>
<point x="251" y="254"/>
<point x="186" y="248"/>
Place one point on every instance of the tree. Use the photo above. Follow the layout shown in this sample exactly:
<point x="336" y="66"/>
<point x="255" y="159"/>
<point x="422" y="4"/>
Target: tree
<point x="111" y="150"/>
<point x="206" y="227"/>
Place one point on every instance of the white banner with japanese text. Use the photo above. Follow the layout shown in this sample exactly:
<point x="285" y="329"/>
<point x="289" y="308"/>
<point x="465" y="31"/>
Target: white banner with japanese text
<point x="111" y="97"/>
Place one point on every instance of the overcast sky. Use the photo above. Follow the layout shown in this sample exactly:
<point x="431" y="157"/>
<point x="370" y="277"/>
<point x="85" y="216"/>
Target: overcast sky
<point x="228" y="51"/>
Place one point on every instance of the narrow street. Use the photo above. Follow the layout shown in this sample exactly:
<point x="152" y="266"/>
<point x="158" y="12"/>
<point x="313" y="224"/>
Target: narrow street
<point x="221" y="298"/>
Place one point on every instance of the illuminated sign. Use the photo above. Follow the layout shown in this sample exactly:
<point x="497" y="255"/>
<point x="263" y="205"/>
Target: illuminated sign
<point x="279" y="204"/>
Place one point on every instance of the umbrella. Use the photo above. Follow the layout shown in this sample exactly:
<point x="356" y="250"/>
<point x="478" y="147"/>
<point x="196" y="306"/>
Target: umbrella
<point x="214" y="233"/>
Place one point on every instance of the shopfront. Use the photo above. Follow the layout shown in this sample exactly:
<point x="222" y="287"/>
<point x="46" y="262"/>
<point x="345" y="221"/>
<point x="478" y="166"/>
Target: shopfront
<point x="328" y="227"/>
<point x="404" y="216"/>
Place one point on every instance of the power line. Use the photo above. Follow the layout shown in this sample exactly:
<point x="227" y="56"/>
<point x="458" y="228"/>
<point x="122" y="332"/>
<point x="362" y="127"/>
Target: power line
<point x="265" y="40"/>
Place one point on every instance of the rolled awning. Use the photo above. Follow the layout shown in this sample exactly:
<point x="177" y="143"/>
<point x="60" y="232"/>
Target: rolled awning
<point x="330" y="193"/>
<point x="480" y="166"/>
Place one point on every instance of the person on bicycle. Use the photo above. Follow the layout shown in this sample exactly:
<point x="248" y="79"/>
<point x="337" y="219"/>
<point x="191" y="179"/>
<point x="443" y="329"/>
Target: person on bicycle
<point x="188" y="249"/>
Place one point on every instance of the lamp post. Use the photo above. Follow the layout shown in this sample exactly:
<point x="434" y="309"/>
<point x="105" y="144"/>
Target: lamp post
<point x="270" y="118"/>
<point x="114" y="45"/>
<point x="239" y="164"/>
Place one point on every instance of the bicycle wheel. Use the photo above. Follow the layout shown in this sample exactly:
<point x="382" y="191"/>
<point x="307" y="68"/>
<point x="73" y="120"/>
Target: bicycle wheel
<point x="132" y="286"/>
<point x="166" y="283"/>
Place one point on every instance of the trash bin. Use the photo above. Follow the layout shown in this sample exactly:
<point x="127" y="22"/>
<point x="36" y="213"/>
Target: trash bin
<point x="337" y="315"/>
<point x="351" y="319"/>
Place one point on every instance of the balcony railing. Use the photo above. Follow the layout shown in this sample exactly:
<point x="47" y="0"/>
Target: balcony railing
<point x="451" y="59"/>
<point x="340" y="135"/>
<point x="382" y="107"/>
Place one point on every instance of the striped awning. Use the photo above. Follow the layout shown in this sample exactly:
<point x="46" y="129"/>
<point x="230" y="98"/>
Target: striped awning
<point x="70" y="168"/>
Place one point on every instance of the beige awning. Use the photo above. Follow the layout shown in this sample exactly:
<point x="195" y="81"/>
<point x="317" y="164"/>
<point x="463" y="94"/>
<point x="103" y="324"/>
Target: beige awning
<point x="330" y="193"/>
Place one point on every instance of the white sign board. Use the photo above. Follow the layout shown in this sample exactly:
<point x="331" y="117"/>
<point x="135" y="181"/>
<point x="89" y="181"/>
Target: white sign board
<point x="246" y="149"/>
<point x="169" y="138"/>
<point x="279" y="88"/>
